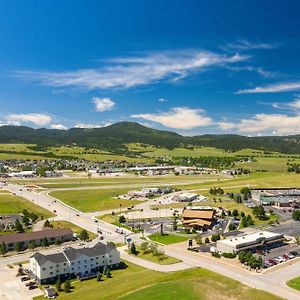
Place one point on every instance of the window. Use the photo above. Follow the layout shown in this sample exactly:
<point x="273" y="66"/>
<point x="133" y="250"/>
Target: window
<point x="44" y="269"/>
<point x="51" y="273"/>
<point x="50" y="267"/>
<point x="65" y="264"/>
<point x="92" y="259"/>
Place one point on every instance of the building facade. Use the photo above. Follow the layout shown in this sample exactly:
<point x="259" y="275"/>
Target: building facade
<point x="249" y="242"/>
<point x="73" y="262"/>
<point x="52" y="235"/>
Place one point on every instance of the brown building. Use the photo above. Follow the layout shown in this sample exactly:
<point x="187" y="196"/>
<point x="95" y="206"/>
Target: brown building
<point x="52" y="235"/>
<point x="200" y="219"/>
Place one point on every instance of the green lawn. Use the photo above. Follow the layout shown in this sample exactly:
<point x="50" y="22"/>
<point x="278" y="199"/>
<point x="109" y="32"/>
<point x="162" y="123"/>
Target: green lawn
<point x="294" y="283"/>
<point x="167" y="239"/>
<point x="94" y="200"/>
<point x="167" y="260"/>
<point x="75" y="228"/>
<point x="10" y="204"/>
<point x="138" y="283"/>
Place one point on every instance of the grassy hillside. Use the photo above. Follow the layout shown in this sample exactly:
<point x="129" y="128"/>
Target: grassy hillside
<point x="113" y="138"/>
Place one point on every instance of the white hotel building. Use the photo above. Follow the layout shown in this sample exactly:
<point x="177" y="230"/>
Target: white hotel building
<point x="73" y="262"/>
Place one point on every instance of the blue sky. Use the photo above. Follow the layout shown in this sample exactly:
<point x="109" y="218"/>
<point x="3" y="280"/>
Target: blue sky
<point x="192" y="67"/>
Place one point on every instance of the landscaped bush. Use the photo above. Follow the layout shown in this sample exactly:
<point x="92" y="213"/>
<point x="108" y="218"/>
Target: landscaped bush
<point x="229" y="255"/>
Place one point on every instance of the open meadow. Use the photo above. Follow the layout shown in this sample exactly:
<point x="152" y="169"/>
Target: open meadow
<point x="10" y="204"/>
<point x="135" y="282"/>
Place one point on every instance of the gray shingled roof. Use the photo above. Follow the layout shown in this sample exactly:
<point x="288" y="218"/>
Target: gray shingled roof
<point x="55" y="258"/>
<point x="98" y="249"/>
<point x="71" y="253"/>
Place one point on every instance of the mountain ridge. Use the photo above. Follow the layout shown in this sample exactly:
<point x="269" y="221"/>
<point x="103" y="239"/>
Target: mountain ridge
<point x="115" y="136"/>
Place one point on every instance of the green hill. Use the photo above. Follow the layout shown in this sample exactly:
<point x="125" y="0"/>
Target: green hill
<point x="113" y="138"/>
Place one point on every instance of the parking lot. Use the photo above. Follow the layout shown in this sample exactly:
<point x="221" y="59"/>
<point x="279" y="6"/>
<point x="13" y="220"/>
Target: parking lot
<point x="280" y="254"/>
<point x="291" y="229"/>
<point x="152" y="225"/>
<point x="12" y="288"/>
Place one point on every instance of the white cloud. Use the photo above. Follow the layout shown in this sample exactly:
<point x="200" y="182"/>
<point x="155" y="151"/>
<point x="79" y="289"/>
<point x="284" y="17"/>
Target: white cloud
<point x="258" y="70"/>
<point x="90" y="125"/>
<point x="280" y="124"/>
<point x="162" y="100"/>
<point x="58" y="126"/>
<point x="34" y="118"/>
<point x="127" y="72"/>
<point x="273" y="88"/>
<point x="103" y="104"/>
<point x="179" y="118"/>
<point x="242" y="44"/>
<point x="295" y="104"/>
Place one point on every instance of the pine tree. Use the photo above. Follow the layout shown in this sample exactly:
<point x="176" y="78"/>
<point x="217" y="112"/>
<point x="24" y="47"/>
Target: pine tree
<point x="99" y="276"/>
<point x="18" y="226"/>
<point x="3" y="249"/>
<point x="67" y="286"/>
<point x="58" y="284"/>
<point x="17" y="247"/>
<point x="32" y="245"/>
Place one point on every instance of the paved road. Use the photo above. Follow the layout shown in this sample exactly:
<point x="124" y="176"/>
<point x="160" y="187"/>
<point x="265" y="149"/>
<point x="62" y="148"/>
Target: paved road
<point x="272" y="282"/>
<point x="67" y="213"/>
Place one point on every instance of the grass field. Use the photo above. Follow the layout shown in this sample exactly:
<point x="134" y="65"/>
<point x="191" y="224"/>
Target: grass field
<point x="94" y="200"/>
<point x="138" y="283"/>
<point x="167" y="239"/>
<point x="101" y="181"/>
<point x="294" y="283"/>
<point x="271" y="161"/>
<point x="168" y="260"/>
<point x="75" y="228"/>
<point x="14" y="204"/>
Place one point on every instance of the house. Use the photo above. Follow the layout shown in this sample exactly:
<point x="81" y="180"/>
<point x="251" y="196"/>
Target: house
<point x="198" y="218"/>
<point x="253" y="241"/>
<point x="72" y="262"/>
<point x="52" y="235"/>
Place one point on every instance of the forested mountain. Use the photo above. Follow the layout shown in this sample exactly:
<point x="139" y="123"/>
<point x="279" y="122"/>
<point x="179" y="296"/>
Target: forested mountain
<point x="114" y="137"/>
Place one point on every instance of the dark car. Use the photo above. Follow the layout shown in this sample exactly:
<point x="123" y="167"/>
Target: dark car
<point x="32" y="287"/>
<point x="25" y="278"/>
<point x="54" y="210"/>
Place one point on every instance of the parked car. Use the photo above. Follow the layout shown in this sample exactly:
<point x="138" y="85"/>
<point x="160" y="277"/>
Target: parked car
<point x="25" y="278"/>
<point x="32" y="287"/>
<point x="30" y="283"/>
<point x="295" y="253"/>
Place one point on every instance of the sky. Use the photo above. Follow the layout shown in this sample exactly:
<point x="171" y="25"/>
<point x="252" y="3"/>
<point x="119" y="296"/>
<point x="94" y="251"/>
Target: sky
<point x="193" y="67"/>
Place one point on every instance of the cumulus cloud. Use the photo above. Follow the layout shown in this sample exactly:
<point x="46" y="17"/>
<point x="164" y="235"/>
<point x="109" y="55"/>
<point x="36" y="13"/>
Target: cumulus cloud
<point x="279" y="124"/>
<point x="91" y="125"/>
<point x="273" y="88"/>
<point x="58" y="126"/>
<point x="103" y="104"/>
<point x="34" y="118"/>
<point x="127" y="72"/>
<point x="179" y="118"/>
